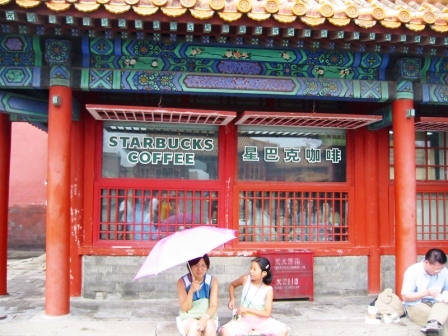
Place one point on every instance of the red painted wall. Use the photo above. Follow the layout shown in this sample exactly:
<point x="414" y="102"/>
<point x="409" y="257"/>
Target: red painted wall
<point x="28" y="165"/>
<point x="27" y="189"/>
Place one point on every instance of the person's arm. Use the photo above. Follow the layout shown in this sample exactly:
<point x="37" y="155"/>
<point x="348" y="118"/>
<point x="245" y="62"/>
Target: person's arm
<point x="213" y="302"/>
<point x="434" y="292"/>
<point x="186" y="299"/>
<point x="444" y="274"/>
<point x="410" y="292"/>
<point x="235" y="283"/>
<point x="267" y="306"/>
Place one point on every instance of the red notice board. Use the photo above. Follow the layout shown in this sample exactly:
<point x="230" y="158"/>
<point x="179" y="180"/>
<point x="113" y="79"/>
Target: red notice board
<point x="292" y="273"/>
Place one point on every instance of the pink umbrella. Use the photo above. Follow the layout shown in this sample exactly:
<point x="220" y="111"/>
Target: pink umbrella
<point x="182" y="246"/>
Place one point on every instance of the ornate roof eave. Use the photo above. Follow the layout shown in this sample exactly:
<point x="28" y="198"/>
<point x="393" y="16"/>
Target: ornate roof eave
<point x="414" y="15"/>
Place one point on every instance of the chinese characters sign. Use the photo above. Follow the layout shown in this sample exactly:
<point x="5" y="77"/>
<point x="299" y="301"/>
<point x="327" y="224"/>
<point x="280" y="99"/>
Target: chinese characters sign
<point x="301" y="158"/>
<point x="271" y="154"/>
<point x="293" y="274"/>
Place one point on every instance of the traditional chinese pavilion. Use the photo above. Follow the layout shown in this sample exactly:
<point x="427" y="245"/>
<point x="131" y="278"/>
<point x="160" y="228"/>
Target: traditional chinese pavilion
<point x="302" y="124"/>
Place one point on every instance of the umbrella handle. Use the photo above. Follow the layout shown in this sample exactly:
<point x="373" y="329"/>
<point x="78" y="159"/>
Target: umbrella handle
<point x="192" y="276"/>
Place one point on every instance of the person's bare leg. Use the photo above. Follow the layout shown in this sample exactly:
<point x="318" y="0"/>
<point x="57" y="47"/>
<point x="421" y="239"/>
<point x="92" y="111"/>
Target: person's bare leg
<point x="283" y="332"/>
<point x="210" y="328"/>
<point x="224" y="332"/>
<point x="191" y="328"/>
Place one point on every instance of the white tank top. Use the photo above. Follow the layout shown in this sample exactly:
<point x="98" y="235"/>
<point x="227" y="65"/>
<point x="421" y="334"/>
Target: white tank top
<point x="254" y="296"/>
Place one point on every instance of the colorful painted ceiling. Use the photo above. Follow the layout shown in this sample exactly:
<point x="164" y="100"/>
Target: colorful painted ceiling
<point x="392" y="26"/>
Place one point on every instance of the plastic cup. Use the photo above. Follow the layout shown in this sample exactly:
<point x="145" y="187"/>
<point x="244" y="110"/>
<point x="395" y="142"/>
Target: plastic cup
<point x="372" y="311"/>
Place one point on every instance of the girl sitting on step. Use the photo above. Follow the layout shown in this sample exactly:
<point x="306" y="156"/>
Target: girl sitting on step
<point x="253" y="316"/>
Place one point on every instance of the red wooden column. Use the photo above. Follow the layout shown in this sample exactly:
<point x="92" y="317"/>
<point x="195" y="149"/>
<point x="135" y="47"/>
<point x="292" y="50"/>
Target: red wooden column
<point x="405" y="189"/>
<point x="5" y="155"/>
<point x="371" y="210"/>
<point x="77" y="213"/>
<point x="228" y="139"/>
<point x="57" y="293"/>
<point x="57" y="285"/>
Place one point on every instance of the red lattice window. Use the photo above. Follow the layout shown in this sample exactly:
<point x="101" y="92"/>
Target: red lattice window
<point x="431" y="152"/>
<point x="274" y="216"/>
<point x="432" y="216"/>
<point x="151" y="214"/>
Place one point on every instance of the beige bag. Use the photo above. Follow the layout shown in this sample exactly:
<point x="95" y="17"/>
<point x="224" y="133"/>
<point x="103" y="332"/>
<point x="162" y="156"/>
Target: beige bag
<point x="388" y="303"/>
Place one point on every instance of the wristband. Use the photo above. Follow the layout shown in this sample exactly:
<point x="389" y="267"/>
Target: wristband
<point x="207" y="316"/>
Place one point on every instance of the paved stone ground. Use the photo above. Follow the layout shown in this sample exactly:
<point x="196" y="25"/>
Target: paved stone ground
<point x="25" y="312"/>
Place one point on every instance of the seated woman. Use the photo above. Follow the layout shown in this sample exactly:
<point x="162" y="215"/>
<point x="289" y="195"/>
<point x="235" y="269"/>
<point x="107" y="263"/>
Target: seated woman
<point x="198" y="298"/>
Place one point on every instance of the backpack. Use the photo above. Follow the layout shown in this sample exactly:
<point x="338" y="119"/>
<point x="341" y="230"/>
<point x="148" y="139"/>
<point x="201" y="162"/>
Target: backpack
<point x="388" y="303"/>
